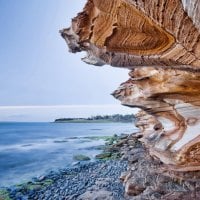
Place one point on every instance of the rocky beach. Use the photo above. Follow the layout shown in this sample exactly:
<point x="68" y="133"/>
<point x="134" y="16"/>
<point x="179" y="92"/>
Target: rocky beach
<point x="97" y="179"/>
<point x="125" y="171"/>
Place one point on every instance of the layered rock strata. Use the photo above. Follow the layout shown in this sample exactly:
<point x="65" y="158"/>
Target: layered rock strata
<point x="132" y="33"/>
<point x="170" y="120"/>
<point x="159" y="41"/>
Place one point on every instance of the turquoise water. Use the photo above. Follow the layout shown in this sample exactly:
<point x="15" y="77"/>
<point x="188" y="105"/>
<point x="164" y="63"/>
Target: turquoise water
<point x="32" y="149"/>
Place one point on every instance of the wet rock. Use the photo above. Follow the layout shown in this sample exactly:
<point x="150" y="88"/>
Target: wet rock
<point x="103" y="155"/>
<point x="81" y="157"/>
<point x="96" y="195"/>
<point x="133" y="189"/>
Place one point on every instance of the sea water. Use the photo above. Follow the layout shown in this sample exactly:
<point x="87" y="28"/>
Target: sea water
<point x="31" y="149"/>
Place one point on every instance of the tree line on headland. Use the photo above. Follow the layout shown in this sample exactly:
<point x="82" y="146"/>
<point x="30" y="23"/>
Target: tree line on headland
<point x="100" y="118"/>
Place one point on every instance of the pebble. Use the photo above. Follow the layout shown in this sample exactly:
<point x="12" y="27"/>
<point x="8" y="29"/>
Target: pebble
<point x="72" y="183"/>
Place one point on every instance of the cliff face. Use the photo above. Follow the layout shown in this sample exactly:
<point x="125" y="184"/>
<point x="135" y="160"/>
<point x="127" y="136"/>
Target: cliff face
<point x="159" y="41"/>
<point x="169" y="121"/>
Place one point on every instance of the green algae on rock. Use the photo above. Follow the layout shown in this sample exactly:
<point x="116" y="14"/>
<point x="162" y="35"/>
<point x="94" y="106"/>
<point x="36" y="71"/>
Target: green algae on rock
<point x="4" y="194"/>
<point x="81" y="157"/>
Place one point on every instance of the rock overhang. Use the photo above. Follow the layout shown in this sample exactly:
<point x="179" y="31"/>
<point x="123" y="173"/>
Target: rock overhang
<point x="159" y="41"/>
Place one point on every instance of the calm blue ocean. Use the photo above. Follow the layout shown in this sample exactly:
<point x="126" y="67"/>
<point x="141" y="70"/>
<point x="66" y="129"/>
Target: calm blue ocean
<point x="32" y="149"/>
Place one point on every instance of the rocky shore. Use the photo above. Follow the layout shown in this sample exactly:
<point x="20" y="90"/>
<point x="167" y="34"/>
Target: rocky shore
<point x="95" y="180"/>
<point x="85" y="180"/>
<point x="125" y="171"/>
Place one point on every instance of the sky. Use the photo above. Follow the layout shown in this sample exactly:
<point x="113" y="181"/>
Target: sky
<point x="38" y="71"/>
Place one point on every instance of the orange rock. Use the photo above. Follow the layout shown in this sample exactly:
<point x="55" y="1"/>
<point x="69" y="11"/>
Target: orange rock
<point x="160" y="42"/>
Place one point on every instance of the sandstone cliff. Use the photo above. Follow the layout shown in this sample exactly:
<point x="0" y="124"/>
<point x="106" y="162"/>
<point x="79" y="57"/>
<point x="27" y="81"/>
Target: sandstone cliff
<point x="159" y="41"/>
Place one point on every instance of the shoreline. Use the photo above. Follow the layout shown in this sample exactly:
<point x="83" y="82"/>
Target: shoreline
<point x="99" y="177"/>
<point x="135" y="175"/>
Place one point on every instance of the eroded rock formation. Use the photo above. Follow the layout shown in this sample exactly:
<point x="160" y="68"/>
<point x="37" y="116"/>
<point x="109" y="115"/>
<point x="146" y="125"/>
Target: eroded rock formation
<point x="170" y="118"/>
<point x="130" y="33"/>
<point x="159" y="41"/>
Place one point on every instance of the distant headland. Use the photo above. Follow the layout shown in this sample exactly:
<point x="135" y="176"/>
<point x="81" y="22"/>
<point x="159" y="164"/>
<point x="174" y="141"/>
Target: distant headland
<point x="99" y="119"/>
